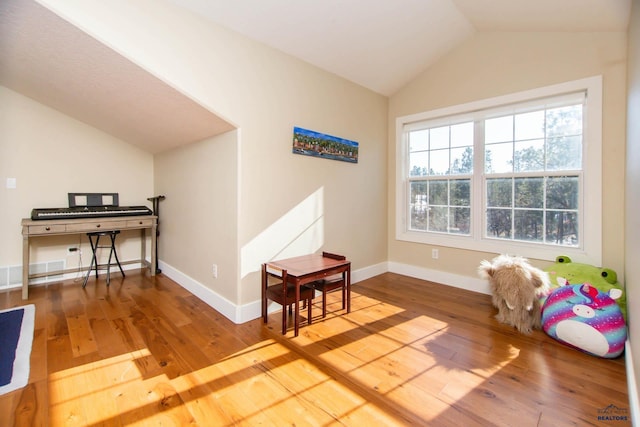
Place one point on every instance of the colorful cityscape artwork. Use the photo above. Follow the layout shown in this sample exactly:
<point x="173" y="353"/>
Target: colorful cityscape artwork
<point x="316" y="144"/>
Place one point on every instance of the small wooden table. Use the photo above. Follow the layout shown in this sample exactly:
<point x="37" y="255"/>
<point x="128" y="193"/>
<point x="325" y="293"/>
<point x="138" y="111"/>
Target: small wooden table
<point x="309" y="268"/>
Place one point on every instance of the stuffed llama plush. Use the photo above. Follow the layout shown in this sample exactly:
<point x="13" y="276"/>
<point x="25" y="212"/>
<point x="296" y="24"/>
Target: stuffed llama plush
<point x="516" y="288"/>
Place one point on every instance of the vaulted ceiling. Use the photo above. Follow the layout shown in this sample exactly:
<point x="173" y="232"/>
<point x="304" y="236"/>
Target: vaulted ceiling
<point x="379" y="44"/>
<point x="53" y="62"/>
<point x="383" y="44"/>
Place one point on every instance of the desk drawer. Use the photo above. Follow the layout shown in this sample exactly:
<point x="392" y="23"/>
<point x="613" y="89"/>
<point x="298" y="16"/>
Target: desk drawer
<point x="47" y="229"/>
<point x="334" y="272"/>
<point x="97" y="226"/>
<point x="142" y="223"/>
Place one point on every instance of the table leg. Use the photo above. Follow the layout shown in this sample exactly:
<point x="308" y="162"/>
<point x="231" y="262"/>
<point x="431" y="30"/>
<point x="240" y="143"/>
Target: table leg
<point x="296" y="318"/>
<point x="349" y="289"/>
<point x="263" y="285"/>
<point x="25" y="267"/>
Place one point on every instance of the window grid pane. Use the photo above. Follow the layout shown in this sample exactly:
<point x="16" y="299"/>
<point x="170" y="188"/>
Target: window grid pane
<point x="442" y="150"/>
<point x="521" y="208"/>
<point x="533" y="208"/>
<point x="440" y="205"/>
<point x="532" y="167"/>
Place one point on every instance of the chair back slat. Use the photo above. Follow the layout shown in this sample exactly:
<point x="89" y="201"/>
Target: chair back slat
<point x="269" y="270"/>
<point x="334" y="256"/>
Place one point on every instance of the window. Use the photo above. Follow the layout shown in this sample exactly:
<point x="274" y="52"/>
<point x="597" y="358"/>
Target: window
<point x="440" y="168"/>
<point x="516" y="174"/>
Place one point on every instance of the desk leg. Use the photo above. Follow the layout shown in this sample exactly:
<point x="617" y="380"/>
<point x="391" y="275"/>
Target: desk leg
<point x="154" y="243"/>
<point x="143" y="247"/>
<point x="25" y="267"/>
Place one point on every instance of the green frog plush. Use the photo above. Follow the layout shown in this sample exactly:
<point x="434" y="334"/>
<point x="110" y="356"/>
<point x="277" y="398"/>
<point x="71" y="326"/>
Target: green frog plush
<point x="564" y="272"/>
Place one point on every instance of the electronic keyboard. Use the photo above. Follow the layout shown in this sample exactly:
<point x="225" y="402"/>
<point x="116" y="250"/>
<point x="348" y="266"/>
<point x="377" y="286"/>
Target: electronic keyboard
<point x="89" y="212"/>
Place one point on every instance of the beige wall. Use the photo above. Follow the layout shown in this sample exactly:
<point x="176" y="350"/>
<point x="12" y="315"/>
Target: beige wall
<point x="632" y="224"/>
<point x="332" y="205"/>
<point x="50" y="155"/>
<point x="199" y="217"/>
<point x="493" y="64"/>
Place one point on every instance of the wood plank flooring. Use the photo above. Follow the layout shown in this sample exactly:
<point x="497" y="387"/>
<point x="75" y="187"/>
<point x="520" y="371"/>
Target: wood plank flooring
<point x="145" y="352"/>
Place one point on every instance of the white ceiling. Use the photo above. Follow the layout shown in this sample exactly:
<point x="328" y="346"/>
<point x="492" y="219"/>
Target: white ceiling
<point x="379" y="44"/>
<point x="383" y="44"/>
<point x="47" y="59"/>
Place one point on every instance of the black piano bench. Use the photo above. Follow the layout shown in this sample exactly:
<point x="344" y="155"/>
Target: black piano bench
<point x="94" y="241"/>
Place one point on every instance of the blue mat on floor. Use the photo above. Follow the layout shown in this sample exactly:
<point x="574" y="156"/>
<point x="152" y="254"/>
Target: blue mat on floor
<point x="16" y="338"/>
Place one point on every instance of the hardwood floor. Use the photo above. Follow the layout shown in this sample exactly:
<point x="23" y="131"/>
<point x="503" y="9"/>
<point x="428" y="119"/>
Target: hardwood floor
<point x="144" y="351"/>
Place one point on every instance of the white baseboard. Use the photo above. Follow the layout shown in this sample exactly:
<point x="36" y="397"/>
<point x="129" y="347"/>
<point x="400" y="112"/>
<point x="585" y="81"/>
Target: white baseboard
<point x="369" y="272"/>
<point x="632" y="385"/>
<point x="253" y="310"/>
<point x="227" y="308"/>
<point x="456" y="280"/>
<point x="75" y="275"/>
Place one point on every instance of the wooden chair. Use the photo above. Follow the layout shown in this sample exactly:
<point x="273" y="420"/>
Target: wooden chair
<point x="330" y="284"/>
<point x="283" y="293"/>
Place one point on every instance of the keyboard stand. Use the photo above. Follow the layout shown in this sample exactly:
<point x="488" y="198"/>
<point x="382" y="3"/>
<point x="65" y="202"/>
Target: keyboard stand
<point x="95" y="245"/>
<point x="57" y="227"/>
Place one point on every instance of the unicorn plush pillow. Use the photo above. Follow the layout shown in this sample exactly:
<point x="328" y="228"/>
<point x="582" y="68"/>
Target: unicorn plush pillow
<point x="585" y="318"/>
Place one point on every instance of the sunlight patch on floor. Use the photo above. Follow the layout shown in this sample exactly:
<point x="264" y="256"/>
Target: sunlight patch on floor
<point x="263" y="384"/>
<point x="406" y="358"/>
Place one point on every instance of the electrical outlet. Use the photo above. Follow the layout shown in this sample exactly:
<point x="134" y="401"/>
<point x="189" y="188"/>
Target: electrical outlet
<point x="214" y="271"/>
<point x="435" y="253"/>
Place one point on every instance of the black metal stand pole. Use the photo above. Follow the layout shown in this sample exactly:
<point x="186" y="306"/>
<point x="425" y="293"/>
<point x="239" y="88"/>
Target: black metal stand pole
<point x="156" y="211"/>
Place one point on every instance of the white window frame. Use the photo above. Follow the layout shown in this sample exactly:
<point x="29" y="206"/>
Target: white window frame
<point x="590" y="205"/>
